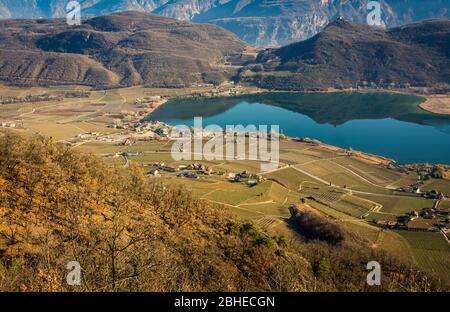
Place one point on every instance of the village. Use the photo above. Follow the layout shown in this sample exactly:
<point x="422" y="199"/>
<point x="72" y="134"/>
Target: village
<point x="431" y="219"/>
<point x="427" y="220"/>
<point x="196" y="171"/>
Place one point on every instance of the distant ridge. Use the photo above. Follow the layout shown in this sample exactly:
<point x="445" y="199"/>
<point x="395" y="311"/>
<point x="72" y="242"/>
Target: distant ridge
<point x="121" y="49"/>
<point x="347" y="55"/>
<point x="258" y="22"/>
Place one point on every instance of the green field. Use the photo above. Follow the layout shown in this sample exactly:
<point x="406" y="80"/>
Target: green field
<point x="437" y="184"/>
<point x="430" y="251"/>
<point x="399" y="205"/>
<point x="349" y="208"/>
<point x="237" y="193"/>
<point x="290" y="178"/>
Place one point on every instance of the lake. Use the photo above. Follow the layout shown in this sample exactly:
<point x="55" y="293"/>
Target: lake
<point x="381" y="123"/>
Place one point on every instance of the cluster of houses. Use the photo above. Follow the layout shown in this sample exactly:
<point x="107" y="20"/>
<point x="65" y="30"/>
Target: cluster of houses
<point x="129" y="154"/>
<point x="308" y="140"/>
<point x="189" y="175"/>
<point x="426" y="171"/>
<point x="217" y="91"/>
<point x="149" y="101"/>
<point x="149" y="131"/>
<point x="251" y="178"/>
<point x="8" y="125"/>
<point x="427" y="219"/>
<point x="31" y="98"/>
<point x="431" y="194"/>
<point x="190" y="171"/>
<point x="193" y="171"/>
<point x="89" y="135"/>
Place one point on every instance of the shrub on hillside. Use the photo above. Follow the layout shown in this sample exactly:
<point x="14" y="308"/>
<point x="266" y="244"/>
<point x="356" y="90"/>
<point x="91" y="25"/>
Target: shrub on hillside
<point x="313" y="226"/>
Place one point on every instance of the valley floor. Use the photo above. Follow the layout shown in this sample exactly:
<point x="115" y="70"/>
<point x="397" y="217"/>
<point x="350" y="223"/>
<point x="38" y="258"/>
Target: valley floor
<point x="356" y="189"/>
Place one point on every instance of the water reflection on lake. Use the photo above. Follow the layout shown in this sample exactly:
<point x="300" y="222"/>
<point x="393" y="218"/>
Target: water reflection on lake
<point x="381" y="123"/>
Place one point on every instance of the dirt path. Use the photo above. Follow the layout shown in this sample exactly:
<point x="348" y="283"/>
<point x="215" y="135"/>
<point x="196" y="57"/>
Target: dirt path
<point x="258" y="203"/>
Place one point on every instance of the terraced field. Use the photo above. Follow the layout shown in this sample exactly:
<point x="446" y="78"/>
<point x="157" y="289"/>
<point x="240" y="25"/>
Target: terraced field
<point x="349" y="208"/>
<point x="268" y="222"/>
<point x="290" y="178"/>
<point x="297" y="157"/>
<point x="374" y="216"/>
<point x="404" y="180"/>
<point x="372" y="173"/>
<point x="268" y="209"/>
<point x="320" y="168"/>
<point x="331" y="172"/>
<point x="237" y="193"/>
<point x="437" y="184"/>
<point x="276" y="193"/>
<point x="399" y="205"/>
<point x="430" y="251"/>
<point x="325" y="195"/>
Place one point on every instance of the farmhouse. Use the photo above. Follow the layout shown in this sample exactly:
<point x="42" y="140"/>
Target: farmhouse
<point x="387" y="224"/>
<point x="421" y="225"/>
<point x="169" y="169"/>
<point x="130" y="153"/>
<point x="6" y="125"/>
<point x="433" y="194"/>
<point x="155" y="173"/>
<point x="189" y="175"/>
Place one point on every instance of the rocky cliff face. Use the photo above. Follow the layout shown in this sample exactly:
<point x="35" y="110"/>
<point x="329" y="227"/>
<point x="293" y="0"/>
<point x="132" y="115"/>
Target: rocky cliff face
<point x="259" y="22"/>
<point x="279" y="22"/>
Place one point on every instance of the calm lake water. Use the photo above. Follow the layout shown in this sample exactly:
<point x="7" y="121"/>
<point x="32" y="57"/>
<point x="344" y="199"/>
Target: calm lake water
<point x="381" y="123"/>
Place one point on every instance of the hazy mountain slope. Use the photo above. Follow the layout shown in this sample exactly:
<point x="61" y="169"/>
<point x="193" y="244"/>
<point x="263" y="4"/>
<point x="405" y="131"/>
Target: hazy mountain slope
<point x="56" y="8"/>
<point x="347" y="54"/>
<point x="278" y="22"/>
<point x="121" y="49"/>
<point x="188" y="9"/>
<point x="260" y="22"/>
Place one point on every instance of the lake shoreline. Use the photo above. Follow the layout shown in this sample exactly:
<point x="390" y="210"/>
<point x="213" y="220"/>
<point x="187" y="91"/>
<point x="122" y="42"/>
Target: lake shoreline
<point x="337" y="120"/>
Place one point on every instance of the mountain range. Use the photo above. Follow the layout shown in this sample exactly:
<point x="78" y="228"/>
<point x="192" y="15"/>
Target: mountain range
<point x="258" y="22"/>
<point x="121" y="49"/>
<point x="135" y="48"/>
<point x="348" y="55"/>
